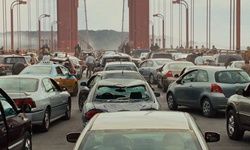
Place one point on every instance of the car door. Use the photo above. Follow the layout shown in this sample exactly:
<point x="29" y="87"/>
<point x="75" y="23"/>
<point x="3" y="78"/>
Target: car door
<point x="184" y="90"/>
<point x="244" y="109"/>
<point x="200" y="86"/>
<point x="52" y="98"/>
<point x="142" y="68"/>
<point x="12" y="125"/>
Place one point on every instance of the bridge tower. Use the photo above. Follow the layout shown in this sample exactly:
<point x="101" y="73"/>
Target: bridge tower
<point x="139" y="24"/>
<point x="67" y="24"/>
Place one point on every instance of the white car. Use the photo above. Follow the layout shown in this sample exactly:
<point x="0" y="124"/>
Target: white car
<point x="142" y="130"/>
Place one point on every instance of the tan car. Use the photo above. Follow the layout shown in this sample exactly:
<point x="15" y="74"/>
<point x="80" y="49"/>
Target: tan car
<point x="141" y="130"/>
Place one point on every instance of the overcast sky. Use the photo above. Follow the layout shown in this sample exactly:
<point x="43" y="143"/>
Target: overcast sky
<point x="107" y="14"/>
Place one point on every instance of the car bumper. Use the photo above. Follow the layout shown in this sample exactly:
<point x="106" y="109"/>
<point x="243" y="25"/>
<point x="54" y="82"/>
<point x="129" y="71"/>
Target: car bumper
<point x="36" y="117"/>
<point x="219" y="101"/>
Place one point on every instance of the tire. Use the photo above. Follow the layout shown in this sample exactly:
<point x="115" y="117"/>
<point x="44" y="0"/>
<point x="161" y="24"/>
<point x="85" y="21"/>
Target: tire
<point x="151" y="79"/>
<point x="27" y="142"/>
<point x="207" y="108"/>
<point x="81" y="100"/>
<point x="68" y="111"/>
<point x="75" y="91"/>
<point x="46" y="121"/>
<point x="233" y="130"/>
<point x="172" y="105"/>
<point x="17" y="68"/>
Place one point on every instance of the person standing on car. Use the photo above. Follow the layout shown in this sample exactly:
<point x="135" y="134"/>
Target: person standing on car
<point x="90" y="63"/>
<point x="246" y="67"/>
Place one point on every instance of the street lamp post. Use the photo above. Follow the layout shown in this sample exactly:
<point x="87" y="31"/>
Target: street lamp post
<point x="51" y="36"/>
<point x="162" y="17"/>
<point x="39" y="29"/>
<point x="187" y="28"/>
<point x="153" y="36"/>
<point x="17" y="2"/>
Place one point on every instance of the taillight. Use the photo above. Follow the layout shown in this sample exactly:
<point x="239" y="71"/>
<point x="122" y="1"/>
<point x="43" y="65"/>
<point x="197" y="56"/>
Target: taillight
<point x="92" y="112"/>
<point x="3" y="66"/>
<point x="216" y="88"/>
<point x="28" y="101"/>
<point x="169" y="74"/>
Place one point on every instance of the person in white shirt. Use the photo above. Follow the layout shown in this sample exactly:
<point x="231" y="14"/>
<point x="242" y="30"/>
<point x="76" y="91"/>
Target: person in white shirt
<point x="90" y="63"/>
<point x="199" y="60"/>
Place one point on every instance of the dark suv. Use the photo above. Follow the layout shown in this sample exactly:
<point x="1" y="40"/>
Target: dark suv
<point x="111" y="58"/>
<point x="12" y="64"/>
<point x="15" y="127"/>
<point x="238" y="114"/>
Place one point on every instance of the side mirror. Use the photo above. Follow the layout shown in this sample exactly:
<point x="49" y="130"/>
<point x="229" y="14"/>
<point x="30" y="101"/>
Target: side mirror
<point x="178" y="81"/>
<point x="26" y="108"/>
<point x="157" y="94"/>
<point x="72" y="137"/>
<point x="212" y="137"/>
<point x="83" y="84"/>
<point x="176" y="75"/>
<point x="64" y="88"/>
<point x="239" y="91"/>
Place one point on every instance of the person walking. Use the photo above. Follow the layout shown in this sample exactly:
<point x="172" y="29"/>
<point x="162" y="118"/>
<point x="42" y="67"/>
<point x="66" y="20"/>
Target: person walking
<point x="246" y="67"/>
<point x="32" y="59"/>
<point x="90" y="63"/>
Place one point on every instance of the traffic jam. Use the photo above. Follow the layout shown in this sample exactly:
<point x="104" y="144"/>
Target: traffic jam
<point x="119" y="98"/>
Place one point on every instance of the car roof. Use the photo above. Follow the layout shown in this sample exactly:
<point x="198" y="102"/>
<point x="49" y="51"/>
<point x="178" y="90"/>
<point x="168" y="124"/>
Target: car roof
<point x="120" y="62"/>
<point x="118" y="81"/>
<point x="142" y="120"/>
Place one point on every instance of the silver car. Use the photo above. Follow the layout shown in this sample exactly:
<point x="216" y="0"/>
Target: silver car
<point x="47" y="100"/>
<point x="112" y="95"/>
<point x="206" y="88"/>
<point x="148" y="68"/>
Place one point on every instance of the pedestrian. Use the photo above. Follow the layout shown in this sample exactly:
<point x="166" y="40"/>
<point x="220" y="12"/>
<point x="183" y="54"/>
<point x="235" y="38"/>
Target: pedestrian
<point x="246" y="67"/>
<point x="77" y="50"/>
<point x="90" y="63"/>
<point x="32" y="59"/>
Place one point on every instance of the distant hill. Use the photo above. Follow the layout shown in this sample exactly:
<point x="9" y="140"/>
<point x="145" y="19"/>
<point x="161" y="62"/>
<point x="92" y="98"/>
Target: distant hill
<point x="101" y="39"/>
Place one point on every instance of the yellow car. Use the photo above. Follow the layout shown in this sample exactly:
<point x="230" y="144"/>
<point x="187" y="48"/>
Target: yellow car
<point x="56" y="71"/>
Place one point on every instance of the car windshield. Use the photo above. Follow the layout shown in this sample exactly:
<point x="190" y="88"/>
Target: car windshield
<point x="120" y="93"/>
<point x="13" y="60"/>
<point x="19" y="85"/>
<point x="141" y="140"/>
<point x="224" y="58"/>
<point x="234" y="76"/>
<point x="37" y="70"/>
<point x="120" y="67"/>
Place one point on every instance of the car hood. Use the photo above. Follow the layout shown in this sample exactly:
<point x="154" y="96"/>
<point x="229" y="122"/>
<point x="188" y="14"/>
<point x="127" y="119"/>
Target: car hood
<point x="115" y="107"/>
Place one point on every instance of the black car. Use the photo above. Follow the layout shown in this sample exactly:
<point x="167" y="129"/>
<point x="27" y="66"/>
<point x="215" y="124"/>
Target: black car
<point x="15" y="127"/>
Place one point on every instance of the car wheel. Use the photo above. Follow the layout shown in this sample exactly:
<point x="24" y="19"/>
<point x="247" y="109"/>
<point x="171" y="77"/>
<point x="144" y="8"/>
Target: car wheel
<point x="17" y="68"/>
<point x="46" y="121"/>
<point x="207" y="108"/>
<point x="68" y="111"/>
<point x="75" y="92"/>
<point x="81" y="100"/>
<point x="151" y="79"/>
<point x="27" y="144"/>
<point x="171" y="102"/>
<point x="233" y="130"/>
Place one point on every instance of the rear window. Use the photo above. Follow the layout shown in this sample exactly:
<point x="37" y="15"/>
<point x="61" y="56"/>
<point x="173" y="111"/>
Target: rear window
<point x="162" y="55"/>
<point x="37" y="70"/>
<point x="120" y="67"/>
<point x="115" y="59"/>
<point x="179" y="66"/>
<point x="234" y="76"/>
<point x="161" y="62"/>
<point x="13" y="60"/>
<point x="123" y="76"/>
<point x="19" y="84"/>
<point x="224" y="58"/>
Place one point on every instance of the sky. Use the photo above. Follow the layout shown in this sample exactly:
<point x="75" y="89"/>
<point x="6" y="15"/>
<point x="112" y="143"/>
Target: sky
<point x="107" y="15"/>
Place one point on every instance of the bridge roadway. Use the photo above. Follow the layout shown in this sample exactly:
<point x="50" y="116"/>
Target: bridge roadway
<point x="55" y="138"/>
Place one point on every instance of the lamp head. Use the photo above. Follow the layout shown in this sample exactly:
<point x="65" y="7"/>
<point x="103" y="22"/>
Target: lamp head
<point x="46" y="15"/>
<point x="155" y="15"/>
<point x="22" y="2"/>
<point x="177" y="2"/>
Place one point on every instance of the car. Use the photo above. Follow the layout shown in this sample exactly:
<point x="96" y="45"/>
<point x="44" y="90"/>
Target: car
<point x="137" y="52"/>
<point x="154" y="54"/>
<point x="66" y="62"/>
<point x="148" y="68"/>
<point x="12" y="64"/>
<point x="56" y="71"/>
<point x="78" y="66"/>
<point x="142" y="130"/>
<point x="236" y="64"/>
<point x="116" y="57"/>
<point x="206" y="88"/>
<point x="112" y="95"/>
<point x="169" y="72"/>
<point x="120" y="66"/>
<point x="15" y="126"/>
<point x="238" y="114"/>
<point x="223" y="59"/>
<point x="47" y="100"/>
<point x="116" y="74"/>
